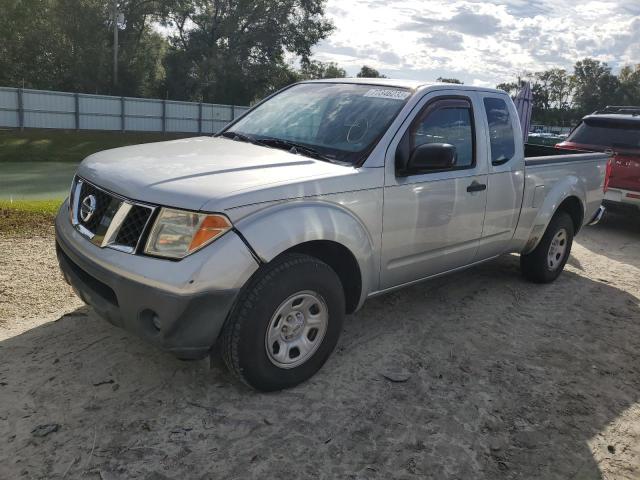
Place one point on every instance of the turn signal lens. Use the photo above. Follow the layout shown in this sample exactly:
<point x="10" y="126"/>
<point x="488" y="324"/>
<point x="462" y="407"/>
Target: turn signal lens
<point x="212" y="226"/>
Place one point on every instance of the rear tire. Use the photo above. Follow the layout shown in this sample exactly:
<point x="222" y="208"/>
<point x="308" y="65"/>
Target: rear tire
<point x="285" y="324"/>
<point x="546" y="262"/>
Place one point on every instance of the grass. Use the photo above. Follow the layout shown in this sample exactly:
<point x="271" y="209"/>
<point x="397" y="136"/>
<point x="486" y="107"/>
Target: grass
<point x="30" y="217"/>
<point x="68" y="145"/>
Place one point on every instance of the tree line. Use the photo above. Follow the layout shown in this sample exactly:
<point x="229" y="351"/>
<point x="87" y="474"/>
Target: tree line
<point x="562" y="98"/>
<point x="224" y="51"/>
<point x="218" y="51"/>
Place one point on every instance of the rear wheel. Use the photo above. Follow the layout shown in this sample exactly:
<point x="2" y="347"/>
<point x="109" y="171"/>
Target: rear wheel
<point x="286" y="323"/>
<point x="545" y="263"/>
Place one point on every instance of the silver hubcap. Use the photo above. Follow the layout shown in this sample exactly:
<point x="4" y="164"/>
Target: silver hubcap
<point x="296" y="329"/>
<point x="557" y="250"/>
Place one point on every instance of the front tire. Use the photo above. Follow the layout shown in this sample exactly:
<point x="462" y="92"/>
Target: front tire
<point x="546" y="262"/>
<point x="285" y="324"/>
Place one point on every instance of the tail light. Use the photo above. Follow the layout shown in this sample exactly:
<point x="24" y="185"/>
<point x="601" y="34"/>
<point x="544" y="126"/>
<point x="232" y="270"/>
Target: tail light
<point x="607" y="175"/>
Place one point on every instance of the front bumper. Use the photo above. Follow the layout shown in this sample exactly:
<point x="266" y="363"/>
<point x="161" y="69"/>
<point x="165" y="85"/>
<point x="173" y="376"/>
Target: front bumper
<point x="177" y="306"/>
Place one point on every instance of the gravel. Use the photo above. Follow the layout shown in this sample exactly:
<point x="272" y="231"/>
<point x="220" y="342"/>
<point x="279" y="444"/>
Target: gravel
<point x="499" y="379"/>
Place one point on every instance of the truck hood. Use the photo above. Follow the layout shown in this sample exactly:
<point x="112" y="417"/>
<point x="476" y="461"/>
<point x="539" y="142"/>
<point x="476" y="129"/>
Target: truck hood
<point x="213" y="174"/>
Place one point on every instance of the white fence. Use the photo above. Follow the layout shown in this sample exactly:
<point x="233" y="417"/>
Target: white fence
<point x="25" y="108"/>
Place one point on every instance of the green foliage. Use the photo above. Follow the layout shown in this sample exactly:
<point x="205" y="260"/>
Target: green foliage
<point x="595" y="85"/>
<point x="68" y="45"/>
<point x="449" y="80"/>
<point x="510" y="87"/>
<point x="313" y="69"/>
<point x="629" y="92"/>
<point x="27" y="216"/>
<point x="561" y="98"/>
<point x="234" y="52"/>
<point x="368" y="72"/>
<point x="217" y="51"/>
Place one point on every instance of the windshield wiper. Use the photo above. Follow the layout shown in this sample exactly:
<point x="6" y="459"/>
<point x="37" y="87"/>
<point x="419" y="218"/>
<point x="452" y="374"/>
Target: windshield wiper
<point x="282" y="144"/>
<point x="238" y="136"/>
<point x="295" y="148"/>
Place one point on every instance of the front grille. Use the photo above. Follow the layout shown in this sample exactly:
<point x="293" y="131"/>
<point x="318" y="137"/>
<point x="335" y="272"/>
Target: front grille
<point x="107" y="219"/>
<point x="133" y="226"/>
<point x="103" y="201"/>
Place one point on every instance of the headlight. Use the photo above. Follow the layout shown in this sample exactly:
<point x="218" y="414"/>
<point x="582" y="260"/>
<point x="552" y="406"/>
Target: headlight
<point x="178" y="233"/>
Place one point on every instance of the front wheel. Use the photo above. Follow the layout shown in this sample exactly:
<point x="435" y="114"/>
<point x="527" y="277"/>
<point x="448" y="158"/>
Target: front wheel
<point x="545" y="263"/>
<point x="286" y="323"/>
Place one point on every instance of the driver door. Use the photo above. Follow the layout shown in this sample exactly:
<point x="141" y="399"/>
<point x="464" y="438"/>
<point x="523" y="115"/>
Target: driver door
<point x="432" y="221"/>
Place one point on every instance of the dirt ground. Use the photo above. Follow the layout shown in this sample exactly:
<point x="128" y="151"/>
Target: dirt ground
<point x="507" y="380"/>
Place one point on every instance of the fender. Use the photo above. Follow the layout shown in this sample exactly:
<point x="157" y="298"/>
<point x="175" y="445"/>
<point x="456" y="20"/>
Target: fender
<point x="273" y="230"/>
<point x="567" y="187"/>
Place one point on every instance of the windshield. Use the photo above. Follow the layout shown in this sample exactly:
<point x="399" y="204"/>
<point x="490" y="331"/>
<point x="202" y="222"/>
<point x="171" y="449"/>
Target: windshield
<point x="610" y="135"/>
<point x="339" y="121"/>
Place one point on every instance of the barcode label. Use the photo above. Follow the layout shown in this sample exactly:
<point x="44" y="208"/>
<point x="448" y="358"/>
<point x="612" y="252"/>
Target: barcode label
<point x="387" y="93"/>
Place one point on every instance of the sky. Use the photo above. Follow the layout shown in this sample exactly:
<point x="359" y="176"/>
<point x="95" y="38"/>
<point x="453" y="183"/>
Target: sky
<point x="481" y="42"/>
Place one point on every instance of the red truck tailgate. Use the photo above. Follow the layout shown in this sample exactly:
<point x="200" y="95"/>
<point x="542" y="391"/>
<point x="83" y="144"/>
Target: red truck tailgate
<point x="625" y="173"/>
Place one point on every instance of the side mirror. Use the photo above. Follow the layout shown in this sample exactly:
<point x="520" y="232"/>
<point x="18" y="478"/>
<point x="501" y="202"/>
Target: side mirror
<point x="431" y="156"/>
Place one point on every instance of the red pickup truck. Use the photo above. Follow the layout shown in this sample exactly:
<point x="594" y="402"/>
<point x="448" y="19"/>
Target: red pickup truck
<point x="615" y="128"/>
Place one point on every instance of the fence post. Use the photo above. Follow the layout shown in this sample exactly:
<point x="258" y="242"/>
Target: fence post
<point x="20" y="109"/>
<point x="122" y="116"/>
<point x="200" y="117"/>
<point x="164" y="116"/>
<point x="77" y="99"/>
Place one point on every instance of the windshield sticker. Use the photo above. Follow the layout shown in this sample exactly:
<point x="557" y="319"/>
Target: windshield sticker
<point x="387" y="93"/>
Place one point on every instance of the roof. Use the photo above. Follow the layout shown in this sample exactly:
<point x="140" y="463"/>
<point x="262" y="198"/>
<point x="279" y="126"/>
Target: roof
<point x="620" y="109"/>
<point x="616" y="114"/>
<point x="404" y="83"/>
<point x="614" y="117"/>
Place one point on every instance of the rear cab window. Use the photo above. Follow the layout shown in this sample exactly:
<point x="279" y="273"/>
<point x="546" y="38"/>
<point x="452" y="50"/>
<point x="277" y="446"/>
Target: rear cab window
<point x="501" y="134"/>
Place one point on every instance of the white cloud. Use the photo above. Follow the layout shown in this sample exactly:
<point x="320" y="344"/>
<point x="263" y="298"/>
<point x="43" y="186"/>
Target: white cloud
<point x="482" y="42"/>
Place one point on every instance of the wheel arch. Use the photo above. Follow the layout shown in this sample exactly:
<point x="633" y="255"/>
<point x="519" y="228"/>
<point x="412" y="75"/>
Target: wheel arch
<point x="322" y="230"/>
<point x="573" y="206"/>
<point x="342" y="261"/>
<point x="566" y="196"/>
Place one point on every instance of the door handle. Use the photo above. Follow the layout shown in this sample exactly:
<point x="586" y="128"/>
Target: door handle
<point x="476" y="187"/>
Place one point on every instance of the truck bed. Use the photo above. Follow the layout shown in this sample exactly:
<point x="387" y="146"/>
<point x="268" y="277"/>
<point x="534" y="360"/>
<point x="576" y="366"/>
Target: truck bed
<point x="544" y="155"/>
<point x="551" y="173"/>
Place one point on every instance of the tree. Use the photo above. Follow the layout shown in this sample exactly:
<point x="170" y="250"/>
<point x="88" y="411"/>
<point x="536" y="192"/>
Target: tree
<point x="561" y="86"/>
<point x="67" y="45"/>
<point x="449" y="80"/>
<point x="510" y="87"/>
<point x="630" y="85"/>
<point x="314" y="69"/>
<point x="551" y="92"/>
<point x="595" y="85"/>
<point x="234" y="52"/>
<point x="368" y="72"/>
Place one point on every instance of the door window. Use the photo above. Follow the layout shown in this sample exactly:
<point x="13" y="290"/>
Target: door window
<point x="447" y="121"/>
<point x="500" y="130"/>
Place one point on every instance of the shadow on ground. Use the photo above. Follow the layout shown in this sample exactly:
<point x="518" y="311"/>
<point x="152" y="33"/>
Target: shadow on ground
<point x="497" y="390"/>
<point x="617" y="236"/>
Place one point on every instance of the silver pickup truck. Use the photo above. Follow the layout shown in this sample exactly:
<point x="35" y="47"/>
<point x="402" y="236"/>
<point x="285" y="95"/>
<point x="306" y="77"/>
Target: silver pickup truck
<point x="260" y="239"/>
